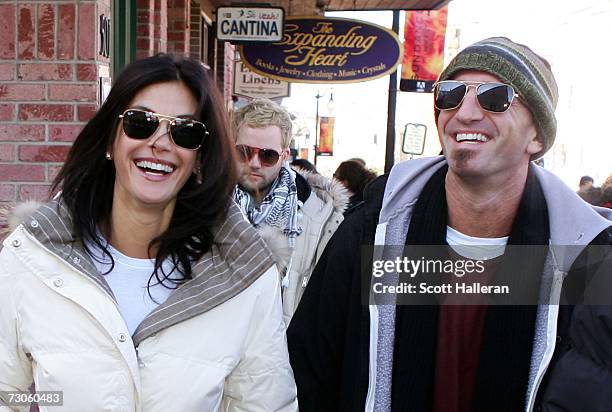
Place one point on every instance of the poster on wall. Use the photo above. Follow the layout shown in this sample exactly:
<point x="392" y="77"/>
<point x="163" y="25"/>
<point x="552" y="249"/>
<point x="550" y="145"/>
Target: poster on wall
<point x="326" y="136"/>
<point x="423" y="49"/>
<point x="326" y="50"/>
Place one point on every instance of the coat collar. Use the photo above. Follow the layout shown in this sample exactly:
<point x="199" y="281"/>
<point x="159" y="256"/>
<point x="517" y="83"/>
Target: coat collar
<point x="572" y="221"/>
<point x="237" y="259"/>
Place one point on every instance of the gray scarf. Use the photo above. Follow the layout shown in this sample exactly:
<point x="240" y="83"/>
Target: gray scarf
<point x="278" y="208"/>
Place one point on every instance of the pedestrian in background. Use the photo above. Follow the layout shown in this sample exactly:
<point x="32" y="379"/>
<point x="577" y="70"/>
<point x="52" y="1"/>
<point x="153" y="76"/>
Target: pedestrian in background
<point x="141" y="286"/>
<point x="296" y="212"/>
<point x="354" y="176"/>
<point x="591" y="195"/>
<point x="586" y="182"/>
<point x="304" y="165"/>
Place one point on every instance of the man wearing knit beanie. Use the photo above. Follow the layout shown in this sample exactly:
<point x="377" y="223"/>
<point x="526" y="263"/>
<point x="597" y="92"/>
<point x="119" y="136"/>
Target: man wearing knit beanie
<point x="494" y="106"/>
<point x="518" y="66"/>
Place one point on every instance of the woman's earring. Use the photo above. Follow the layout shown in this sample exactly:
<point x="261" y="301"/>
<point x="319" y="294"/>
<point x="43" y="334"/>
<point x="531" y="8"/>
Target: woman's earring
<point x="108" y="156"/>
<point x="198" y="174"/>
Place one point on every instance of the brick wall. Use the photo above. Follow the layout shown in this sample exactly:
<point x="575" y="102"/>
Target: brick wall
<point x="162" y="26"/>
<point x="49" y="68"/>
<point x="152" y="27"/>
<point x="179" y="18"/>
<point x="195" y="33"/>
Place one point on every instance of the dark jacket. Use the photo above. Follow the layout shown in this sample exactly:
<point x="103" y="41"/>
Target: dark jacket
<point x="328" y="335"/>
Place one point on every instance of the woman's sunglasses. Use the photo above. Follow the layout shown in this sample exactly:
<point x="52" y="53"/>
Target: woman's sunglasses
<point x="267" y="157"/>
<point x="185" y="133"/>
<point x="492" y="97"/>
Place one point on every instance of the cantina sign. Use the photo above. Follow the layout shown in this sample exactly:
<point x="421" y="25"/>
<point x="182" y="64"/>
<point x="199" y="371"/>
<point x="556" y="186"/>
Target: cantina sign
<point x="326" y="50"/>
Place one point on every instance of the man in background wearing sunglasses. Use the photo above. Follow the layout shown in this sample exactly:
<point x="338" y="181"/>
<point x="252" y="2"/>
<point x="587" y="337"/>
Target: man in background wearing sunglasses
<point x="297" y="213"/>
<point x="494" y="106"/>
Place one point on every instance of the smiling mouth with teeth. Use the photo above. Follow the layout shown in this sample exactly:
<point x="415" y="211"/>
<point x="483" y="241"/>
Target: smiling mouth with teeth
<point x="471" y="137"/>
<point x="154" y="168"/>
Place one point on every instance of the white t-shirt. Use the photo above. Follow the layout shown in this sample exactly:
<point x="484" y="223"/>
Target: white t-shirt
<point x="475" y="248"/>
<point x="128" y="280"/>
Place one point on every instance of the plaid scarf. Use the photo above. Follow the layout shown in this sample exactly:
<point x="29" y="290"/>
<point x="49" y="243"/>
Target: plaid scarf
<point x="277" y="209"/>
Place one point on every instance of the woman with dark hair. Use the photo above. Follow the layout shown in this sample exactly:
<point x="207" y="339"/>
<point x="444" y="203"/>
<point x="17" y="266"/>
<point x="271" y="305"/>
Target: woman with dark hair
<point x="140" y="286"/>
<point x="354" y="176"/>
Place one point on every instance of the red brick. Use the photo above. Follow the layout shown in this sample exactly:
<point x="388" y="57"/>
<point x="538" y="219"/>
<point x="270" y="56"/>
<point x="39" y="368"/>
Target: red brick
<point x="7" y="152"/>
<point x="7" y="193"/>
<point x="23" y="173"/>
<point x="87" y="36"/>
<point x="176" y="14"/>
<point x="86" y="112"/>
<point x="64" y="132"/>
<point x="46" y="112"/>
<point x="66" y="32"/>
<point x="87" y="72"/>
<point x="7" y="112"/>
<point x="46" y="31"/>
<point x="176" y="36"/>
<point x="144" y="17"/>
<point x="178" y="25"/>
<point x="43" y="153"/>
<point x="21" y="132"/>
<point x="143" y="30"/>
<point x="143" y="44"/>
<point x="27" y="31"/>
<point x="34" y="192"/>
<point x="7" y="28"/>
<point x="14" y="91"/>
<point x="77" y="92"/>
<point x="44" y="71"/>
<point x="53" y="171"/>
<point x="7" y="71"/>
<point x="144" y="4"/>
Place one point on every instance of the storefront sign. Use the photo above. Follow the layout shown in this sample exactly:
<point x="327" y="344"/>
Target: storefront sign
<point x="262" y="24"/>
<point x="423" y="49"/>
<point x="326" y="50"/>
<point x="249" y="84"/>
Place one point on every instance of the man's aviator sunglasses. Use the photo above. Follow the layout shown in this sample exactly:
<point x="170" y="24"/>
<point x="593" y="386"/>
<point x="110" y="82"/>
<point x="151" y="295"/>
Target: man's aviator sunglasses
<point x="267" y="157"/>
<point x="492" y="97"/>
<point x="186" y="133"/>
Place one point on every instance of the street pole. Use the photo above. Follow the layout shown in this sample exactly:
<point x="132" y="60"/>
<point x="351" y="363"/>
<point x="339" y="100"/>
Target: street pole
<point x="316" y="145"/>
<point x="391" y="104"/>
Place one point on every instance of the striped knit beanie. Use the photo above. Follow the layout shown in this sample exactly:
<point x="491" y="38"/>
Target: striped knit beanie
<point x="517" y="65"/>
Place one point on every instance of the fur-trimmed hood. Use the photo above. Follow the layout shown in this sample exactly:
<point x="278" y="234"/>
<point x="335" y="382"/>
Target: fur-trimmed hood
<point x="327" y="189"/>
<point x="17" y="213"/>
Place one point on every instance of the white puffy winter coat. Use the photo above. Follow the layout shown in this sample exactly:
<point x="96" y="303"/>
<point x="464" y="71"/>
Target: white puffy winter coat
<point x="217" y="343"/>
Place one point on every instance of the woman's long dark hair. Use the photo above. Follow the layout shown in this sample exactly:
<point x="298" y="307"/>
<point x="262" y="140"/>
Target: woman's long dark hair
<point x="87" y="178"/>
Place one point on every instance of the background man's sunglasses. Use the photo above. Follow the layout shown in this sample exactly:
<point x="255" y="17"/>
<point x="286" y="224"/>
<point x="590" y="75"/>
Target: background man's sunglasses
<point x="185" y="133"/>
<point x="267" y="157"/>
<point x="492" y="97"/>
